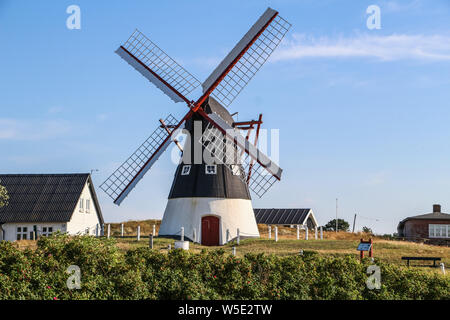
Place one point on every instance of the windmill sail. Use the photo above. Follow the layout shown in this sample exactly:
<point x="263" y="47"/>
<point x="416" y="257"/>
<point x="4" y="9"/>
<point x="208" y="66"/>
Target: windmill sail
<point x="160" y="69"/>
<point x="125" y="178"/>
<point x="264" y="172"/>
<point x="247" y="57"/>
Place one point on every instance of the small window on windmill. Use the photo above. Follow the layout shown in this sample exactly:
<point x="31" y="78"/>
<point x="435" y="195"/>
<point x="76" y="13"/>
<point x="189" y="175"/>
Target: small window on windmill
<point x="211" y="169"/>
<point x="185" y="170"/>
<point x="236" y="170"/>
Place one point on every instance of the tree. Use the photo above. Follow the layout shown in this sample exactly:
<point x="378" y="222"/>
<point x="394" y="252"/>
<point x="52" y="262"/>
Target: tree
<point x="342" y="225"/>
<point x="3" y="196"/>
<point x="367" y="230"/>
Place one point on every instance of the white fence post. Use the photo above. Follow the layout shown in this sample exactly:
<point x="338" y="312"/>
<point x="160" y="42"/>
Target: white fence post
<point x="121" y="230"/>
<point x="195" y="235"/>
<point x="234" y="251"/>
<point x="154" y="230"/>
<point x="276" y="233"/>
<point x="139" y="233"/>
<point x="238" y="236"/>
<point x="442" y="267"/>
<point x="298" y="232"/>
<point x="109" y="231"/>
<point x="151" y="240"/>
<point x="270" y="231"/>
<point x="315" y="232"/>
<point x="182" y="233"/>
<point x="228" y="235"/>
<point x="321" y="233"/>
<point x="306" y="233"/>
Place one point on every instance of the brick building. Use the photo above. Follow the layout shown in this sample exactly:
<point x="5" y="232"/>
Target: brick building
<point x="433" y="226"/>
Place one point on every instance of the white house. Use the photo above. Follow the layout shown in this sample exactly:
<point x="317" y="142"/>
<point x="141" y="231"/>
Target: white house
<point x="46" y="203"/>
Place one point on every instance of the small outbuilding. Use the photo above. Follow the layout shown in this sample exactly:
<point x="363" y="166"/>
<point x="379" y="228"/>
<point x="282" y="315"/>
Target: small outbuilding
<point x="41" y="204"/>
<point x="286" y="217"/>
<point x="434" y="225"/>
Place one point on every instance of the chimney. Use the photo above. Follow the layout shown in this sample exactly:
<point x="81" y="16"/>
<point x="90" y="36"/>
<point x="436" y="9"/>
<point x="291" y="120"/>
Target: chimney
<point x="436" y="208"/>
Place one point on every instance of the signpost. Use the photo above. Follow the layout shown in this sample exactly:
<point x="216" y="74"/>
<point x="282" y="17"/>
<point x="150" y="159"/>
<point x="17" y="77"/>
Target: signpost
<point x="365" y="246"/>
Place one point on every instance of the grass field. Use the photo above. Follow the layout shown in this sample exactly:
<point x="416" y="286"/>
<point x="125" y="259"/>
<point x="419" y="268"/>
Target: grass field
<point x="334" y="244"/>
<point x="385" y="250"/>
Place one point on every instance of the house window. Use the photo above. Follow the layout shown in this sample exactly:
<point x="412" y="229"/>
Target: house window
<point x="81" y="205"/>
<point x="185" y="170"/>
<point x="439" y="230"/>
<point x="88" y="205"/>
<point x="47" y="231"/>
<point x="211" y="169"/>
<point x="236" y="170"/>
<point x="22" y="233"/>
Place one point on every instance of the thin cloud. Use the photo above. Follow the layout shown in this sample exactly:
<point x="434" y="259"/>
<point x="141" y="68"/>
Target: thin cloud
<point x="56" y="109"/>
<point x="13" y="129"/>
<point x="383" y="48"/>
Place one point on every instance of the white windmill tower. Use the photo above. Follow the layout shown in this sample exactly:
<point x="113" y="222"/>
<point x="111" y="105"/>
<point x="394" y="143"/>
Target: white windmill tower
<point x="209" y="196"/>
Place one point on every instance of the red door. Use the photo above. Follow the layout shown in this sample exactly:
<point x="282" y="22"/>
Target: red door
<point x="210" y="231"/>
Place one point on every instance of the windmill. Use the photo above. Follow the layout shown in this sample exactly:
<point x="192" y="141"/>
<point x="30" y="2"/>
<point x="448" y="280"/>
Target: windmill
<point x="210" y="196"/>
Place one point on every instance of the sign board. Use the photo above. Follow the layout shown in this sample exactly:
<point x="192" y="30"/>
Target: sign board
<point x="364" y="247"/>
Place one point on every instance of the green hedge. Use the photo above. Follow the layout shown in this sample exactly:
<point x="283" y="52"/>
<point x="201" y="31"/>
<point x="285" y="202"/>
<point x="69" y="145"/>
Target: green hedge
<point x="107" y="273"/>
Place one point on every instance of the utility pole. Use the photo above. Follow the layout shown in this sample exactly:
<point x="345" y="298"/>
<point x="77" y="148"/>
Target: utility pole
<point x="336" y="215"/>
<point x="354" y="221"/>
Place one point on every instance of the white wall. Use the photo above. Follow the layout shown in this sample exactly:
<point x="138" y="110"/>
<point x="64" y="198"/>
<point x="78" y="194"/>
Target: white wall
<point x="188" y="213"/>
<point x="81" y="220"/>
<point x="77" y="225"/>
<point x="11" y="228"/>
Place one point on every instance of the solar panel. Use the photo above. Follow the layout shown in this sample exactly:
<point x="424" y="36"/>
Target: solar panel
<point x="281" y="216"/>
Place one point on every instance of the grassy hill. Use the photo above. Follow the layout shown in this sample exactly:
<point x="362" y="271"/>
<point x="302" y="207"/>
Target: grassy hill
<point x="334" y="244"/>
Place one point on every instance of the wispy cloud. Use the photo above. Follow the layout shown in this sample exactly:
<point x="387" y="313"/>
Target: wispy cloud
<point x="13" y="129"/>
<point x="395" y="6"/>
<point x="56" y="109"/>
<point x="376" y="179"/>
<point x="382" y="48"/>
<point x="102" y="117"/>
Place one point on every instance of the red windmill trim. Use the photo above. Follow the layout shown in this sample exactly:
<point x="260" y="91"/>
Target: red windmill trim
<point x="157" y="76"/>
<point x="232" y="64"/>
<point x="256" y="144"/>
<point x="205" y="115"/>
<point x="187" y="116"/>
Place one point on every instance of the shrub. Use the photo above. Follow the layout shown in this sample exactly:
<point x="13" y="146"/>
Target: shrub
<point x="107" y="273"/>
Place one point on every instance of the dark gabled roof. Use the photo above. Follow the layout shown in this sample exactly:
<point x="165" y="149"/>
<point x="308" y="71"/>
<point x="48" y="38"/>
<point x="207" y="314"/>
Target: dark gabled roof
<point x="281" y="216"/>
<point x="433" y="215"/>
<point x="44" y="197"/>
<point x="428" y="216"/>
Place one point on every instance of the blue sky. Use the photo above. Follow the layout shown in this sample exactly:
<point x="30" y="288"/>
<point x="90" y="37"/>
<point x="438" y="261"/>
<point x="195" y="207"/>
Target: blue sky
<point x="363" y="114"/>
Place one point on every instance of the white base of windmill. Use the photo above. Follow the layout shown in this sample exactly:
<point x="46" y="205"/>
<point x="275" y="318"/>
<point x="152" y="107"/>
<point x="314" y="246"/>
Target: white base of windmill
<point x="233" y="214"/>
